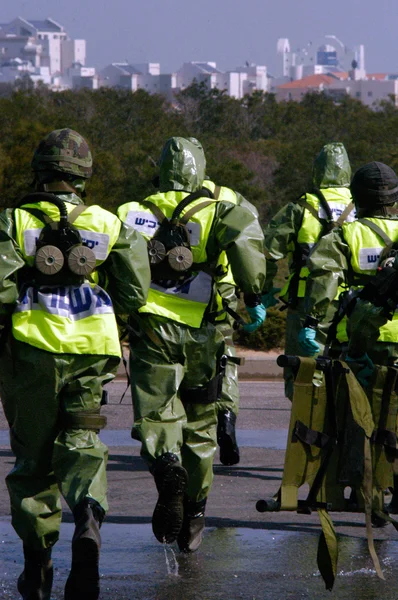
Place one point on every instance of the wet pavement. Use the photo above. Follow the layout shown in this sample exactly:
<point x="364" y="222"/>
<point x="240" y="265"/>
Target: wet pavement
<point x="244" y="554"/>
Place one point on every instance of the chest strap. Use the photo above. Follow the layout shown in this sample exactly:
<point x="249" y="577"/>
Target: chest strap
<point x="377" y="230"/>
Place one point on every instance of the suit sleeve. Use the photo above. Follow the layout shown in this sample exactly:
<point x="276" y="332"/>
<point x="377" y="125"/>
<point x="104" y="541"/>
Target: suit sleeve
<point x="238" y="233"/>
<point x="280" y="238"/>
<point x="328" y="264"/>
<point x="11" y="262"/>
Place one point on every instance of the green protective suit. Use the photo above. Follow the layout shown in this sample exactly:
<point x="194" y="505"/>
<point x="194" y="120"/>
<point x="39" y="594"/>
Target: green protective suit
<point x="288" y="236"/>
<point x="168" y="357"/>
<point x="330" y="267"/>
<point x="41" y="390"/>
<point x="363" y="327"/>
<point x="229" y="400"/>
<point x="331" y="264"/>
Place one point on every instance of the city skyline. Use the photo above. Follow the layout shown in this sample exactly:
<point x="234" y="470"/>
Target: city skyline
<point x="229" y="32"/>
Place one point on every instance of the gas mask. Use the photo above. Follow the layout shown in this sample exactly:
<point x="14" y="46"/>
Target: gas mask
<point x="169" y="250"/>
<point x="59" y="247"/>
<point x="171" y="244"/>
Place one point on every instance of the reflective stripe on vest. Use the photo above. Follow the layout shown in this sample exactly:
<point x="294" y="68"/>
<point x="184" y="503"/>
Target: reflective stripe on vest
<point x="309" y="233"/>
<point x="67" y="319"/>
<point x="184" y="301"/>
<point x="366" y="246"/>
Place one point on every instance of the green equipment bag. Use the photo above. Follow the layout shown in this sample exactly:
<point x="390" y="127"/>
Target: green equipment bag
<point x="342" y="443"/>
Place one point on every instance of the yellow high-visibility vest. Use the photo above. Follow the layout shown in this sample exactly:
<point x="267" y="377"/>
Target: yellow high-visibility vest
<point x="366" y="247"/>
<point x="185" y="300"/>
<point x="72" y="319"/>
<point x="311" y="229"/>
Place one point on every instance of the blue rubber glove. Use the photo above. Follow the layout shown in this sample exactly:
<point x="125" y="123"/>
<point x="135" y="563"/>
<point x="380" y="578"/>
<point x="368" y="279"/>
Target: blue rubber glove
<point x="257" y="316"/>
<point x="364" y="375"/>
<point x="269" y="299"/>
<point x="307" y="341"/>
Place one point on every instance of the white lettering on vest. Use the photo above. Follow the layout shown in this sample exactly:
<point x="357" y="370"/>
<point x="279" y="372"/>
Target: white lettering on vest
<point x="369" y="258"/>
<point x="71" y="302"/>
<point x="337" y="210"/>
<point x="197" y="288"/>
<point x="147" y="224"/>
<point x="97" y="242"/>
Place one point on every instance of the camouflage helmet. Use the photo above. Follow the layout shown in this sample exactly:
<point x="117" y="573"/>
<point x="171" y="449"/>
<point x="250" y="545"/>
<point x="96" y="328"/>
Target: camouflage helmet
<point x="65" y="151"/>
<point x="373" y="186"/>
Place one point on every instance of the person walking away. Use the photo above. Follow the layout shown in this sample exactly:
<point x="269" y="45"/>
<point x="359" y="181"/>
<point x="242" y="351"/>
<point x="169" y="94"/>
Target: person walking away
<point x="294" y="231"/>
<point x="65" y="269"/>
<point x="177" y="353"/>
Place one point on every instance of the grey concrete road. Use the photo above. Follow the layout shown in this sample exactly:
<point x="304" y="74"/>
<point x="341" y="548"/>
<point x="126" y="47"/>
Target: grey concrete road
<point x="244" y="554"/>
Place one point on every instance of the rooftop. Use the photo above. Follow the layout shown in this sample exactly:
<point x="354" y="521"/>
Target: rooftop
<point x="311" y="81"/>
<point x="47" y="25"/>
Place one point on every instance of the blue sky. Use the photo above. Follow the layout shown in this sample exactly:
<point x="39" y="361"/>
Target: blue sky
<point x="228" y="32"/>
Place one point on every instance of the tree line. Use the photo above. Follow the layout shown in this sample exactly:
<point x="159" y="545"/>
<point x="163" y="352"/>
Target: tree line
<point x="257" y="146"/>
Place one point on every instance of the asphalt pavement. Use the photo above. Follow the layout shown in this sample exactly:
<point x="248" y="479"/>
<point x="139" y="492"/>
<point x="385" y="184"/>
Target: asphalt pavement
<point x="244" y="554"/>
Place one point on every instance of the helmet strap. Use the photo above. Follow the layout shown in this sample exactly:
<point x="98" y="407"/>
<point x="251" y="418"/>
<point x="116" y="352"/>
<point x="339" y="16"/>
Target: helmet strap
<point x="58" y="186"/>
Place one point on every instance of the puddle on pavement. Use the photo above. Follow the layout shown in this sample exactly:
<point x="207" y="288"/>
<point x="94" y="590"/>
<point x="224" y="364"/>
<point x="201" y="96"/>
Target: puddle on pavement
<point x="252" y="564"/>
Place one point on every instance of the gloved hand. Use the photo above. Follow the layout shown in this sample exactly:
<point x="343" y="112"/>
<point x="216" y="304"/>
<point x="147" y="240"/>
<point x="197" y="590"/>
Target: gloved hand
<point x="257" y="316"/>
<point x="269" y="299"/>
<point x="367" y="368"/>
<point x="307" y="342"/>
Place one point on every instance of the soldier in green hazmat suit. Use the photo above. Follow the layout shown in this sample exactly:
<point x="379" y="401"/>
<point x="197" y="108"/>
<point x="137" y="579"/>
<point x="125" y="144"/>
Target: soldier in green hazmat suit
<point x="178" y="353"/>
<point x="350" y="256"/>
<point x="228" y="404"/>
<point x="294" y="231"/>
<point x="65" y="269"/>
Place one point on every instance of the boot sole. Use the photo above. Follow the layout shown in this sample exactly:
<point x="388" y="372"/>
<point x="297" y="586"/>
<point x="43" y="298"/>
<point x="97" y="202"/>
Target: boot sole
<point x="168" y="515"/>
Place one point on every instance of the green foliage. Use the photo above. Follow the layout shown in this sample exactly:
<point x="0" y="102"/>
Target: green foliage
<point x="270" y="335"/>
<point x="257" y="146"/>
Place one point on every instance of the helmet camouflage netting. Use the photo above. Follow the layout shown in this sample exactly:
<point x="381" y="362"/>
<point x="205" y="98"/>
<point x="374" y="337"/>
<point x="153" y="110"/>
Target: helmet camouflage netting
<point x="65" y="151"/>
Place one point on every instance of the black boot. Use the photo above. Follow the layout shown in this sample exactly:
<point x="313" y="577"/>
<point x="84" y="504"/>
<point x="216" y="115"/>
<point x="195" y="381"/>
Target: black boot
<point x="36" y="580"/>
<point x="392" y="508"/>
<point x="83" y="580"/>
<point x="171" y="481"/>
<point x="226" y="438"/>
<point x="191" y="534"/>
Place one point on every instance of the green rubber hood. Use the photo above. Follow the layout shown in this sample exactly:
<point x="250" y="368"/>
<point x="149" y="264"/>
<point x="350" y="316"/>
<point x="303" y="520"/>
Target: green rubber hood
<point x="331" y="167"/>
<point x="182" y="165"/>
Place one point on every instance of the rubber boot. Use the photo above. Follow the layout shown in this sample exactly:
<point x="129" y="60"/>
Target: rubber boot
<point x="191" y="534"/>
<point x="83" y="580"/>
<point x="35" y="581"/>
<point x="171" y="481"/>
<point x="392" y="508"/>
<point x="226" y="438"/>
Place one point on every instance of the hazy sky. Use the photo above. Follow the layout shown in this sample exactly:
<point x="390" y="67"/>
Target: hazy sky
<point x="228" y="32"/>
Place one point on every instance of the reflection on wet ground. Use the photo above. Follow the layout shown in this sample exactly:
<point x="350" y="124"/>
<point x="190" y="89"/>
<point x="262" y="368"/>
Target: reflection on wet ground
<point x="254" y="564"/>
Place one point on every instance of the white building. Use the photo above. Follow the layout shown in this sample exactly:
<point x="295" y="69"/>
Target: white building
<point x="326" y="55"/>
<point x="76" y="77"/>
<point x="44" y="43"/>
<point x="16" y="69"/>
<point x="237" y="83"/>
<point x="144" y="76"/>
<point x="372" y="90"/>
